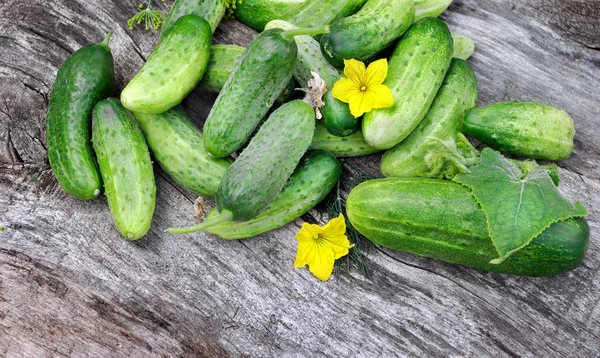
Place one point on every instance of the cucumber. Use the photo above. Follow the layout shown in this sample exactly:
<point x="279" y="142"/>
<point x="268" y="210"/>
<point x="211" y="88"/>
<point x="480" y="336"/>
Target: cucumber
<point x="441" y="219"/>
<point x="353" y="145"/>
<point x="463" y="47"/>
<point x="430" y="8"/>
<point x="125" y="166"/>
<point x="309" y="184"/>
<point x="416" y="71"/>
<point x="443" y="120"/>
<point x="530" y="130"/>
<point x="259" y="174"/>
<point x="86" y="77"/>
<point x="178" y="146"/>
<point x="262" y="73"/>
<point x="173" y="69"/>
<point x="210" y="10"/>
<point x="336" y="114"/>
<point x="374" y="27"/>
<point x="256" y="13"/>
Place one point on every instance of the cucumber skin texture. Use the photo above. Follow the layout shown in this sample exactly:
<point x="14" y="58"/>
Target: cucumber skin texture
<point x="443" y="120"/>
<point x="526" y="129"/>
<point x="261" y="171"/>
<point x="420" y="59"/>
<point x="430" y="8"/>
<point x="309" y="184"/>
<point x="210" y="10"/>
<point x="126" y="168"/>
<point x="86" y="77"/>
<point x="441" y="219"/>
<point x="173" y="69"/>
<point x="261" y="75"/>
<point x="353" y="145"/>
<point x="178" y="146"/>
<point x="374" y="27"/>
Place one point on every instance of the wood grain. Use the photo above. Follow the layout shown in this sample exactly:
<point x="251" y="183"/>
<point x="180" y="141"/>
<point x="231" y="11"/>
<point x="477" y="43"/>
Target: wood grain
<point x="71" y="286"/>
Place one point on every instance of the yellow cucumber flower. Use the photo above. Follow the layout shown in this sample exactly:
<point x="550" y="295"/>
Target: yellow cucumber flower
<point x="319" y="247"/>
<point x="362" y="87"/>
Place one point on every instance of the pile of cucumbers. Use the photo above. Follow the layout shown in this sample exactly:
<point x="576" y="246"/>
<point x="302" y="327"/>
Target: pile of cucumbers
<point x="285" y="159"/>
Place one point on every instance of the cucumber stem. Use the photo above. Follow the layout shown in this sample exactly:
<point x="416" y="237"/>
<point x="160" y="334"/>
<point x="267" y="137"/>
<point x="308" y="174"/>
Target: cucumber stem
<point x="310" y="31"/>
<point x="223" y="216"/>
<point x="107" y="38"/>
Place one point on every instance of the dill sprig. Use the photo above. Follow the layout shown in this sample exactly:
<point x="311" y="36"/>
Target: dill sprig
<point x="147" y="15"/>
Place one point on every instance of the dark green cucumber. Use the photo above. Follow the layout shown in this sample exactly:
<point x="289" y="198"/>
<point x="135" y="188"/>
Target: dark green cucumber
<point x="416" y="71"/>
<point x="353" y="145"/>
<point x="210" y="10"/>
<point x="309" y="184"/>
<point x="256" y="13"/>
<point x="443" y="120"/>
<point x="173" y="69"/>
<point x="430" y="8"/>
<point x="530" y="130"/>
<point x="178" y="146"/>
<point x="125" y="166"/>
<point x="441" y="219"/>
<point x="262" y="73"/>
<point x="261" y="171"/>
<point x="373" y="28"/>
<point x="86" y="77"/>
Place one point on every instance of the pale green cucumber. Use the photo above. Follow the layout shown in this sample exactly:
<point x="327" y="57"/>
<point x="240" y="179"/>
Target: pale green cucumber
<point x="430" y="8"/>
<point x="210" y="10"/>
<point x="353" y="145"/>
<point x="463" y="46"/>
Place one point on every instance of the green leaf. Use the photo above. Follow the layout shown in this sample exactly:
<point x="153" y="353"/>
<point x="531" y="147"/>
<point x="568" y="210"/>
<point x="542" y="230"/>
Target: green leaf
<point x="519" y="201"/>
<point x="447" y="158"/>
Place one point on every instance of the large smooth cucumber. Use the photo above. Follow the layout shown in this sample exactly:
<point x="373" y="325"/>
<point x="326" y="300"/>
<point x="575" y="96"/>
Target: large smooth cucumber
<point x="416" y="71"/>
<point x="210" y="10"/>
<point x="441" y="219"/>
<point x="178" y="146"/>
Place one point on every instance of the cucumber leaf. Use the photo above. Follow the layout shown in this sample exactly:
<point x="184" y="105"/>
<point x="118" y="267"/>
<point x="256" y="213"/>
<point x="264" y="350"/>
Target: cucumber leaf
<point x="519" y="201"/>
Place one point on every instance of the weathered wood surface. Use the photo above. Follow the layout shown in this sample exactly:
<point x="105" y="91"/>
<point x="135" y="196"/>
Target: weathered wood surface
<point x="71" y="286"/>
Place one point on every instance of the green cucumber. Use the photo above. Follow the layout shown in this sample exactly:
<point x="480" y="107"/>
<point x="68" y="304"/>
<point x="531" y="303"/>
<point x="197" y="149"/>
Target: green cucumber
<point x="309" y="184"/>
<point x="526" y="129"/>
<point x="443" y="120"/>
<point x="416" y="71"/>
<point x="210" y="10"/>
<point x="463" y="47"/>
<point x="336" y="114"/>
<point x="173" y="69"/>
<point x="441" y="219"/>
<point x="256" y="13"/>
<point x="178" y="146"/>
<point x="86" y="77"/>
<point x="259" y="174"/>
<point x="125" y="166"/>
<point x="353" y="145"/>
<point x="430" y="8"/>
<point x="373" y="28"/>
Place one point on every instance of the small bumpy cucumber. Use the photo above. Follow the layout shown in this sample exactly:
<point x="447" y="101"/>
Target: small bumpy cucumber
<point x="308" y="185"/>
<point x="210" y="10"/>
<point x="173" y="69"/>
<point x="178" y="146"/>
<point x="125" y="166"/>
<point x="373" y="28"/>
<point x="430" y="8"/>
<point x="86" y="77"/>
<point x="353" y="145"/>
<point x="259" y="174"/>
<point x="443" y="120"/>
<point x="531" y="130"/>
<point x="441" y="219"/>
<point x="262" y="73"/>
<point x="416" y="71"/>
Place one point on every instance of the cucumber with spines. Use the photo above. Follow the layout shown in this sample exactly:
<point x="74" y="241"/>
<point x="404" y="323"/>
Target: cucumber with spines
<point x="353" y="145"/>
<point x="210" y="10"/>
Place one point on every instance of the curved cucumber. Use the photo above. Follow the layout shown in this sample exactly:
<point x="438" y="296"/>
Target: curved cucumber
<point x="373" y="28"/>
<point x="309" y="184"/>
<point x="443" y="120"/>
<point x="210" y="10"/>
<point x="441" y="219"/>
<point x="262" y="73"/>
<point x="430" y="8"/>
<point x="178" y="146"/>
<point x="353" y="145"/>
<point x="86" y="77"/>
<point x="416" y="71"/>
<point x="126" y="168"/>
<point x="531" y="130"/>
<point x="173" y="69"/>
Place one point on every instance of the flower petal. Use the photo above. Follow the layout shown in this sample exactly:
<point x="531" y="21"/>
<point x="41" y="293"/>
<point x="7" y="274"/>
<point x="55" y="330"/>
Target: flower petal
<point x="344" y="89"/>
<point x="376" y="72"/>
<point x="360" y="103"/>
<point x="308" y="232"/>
<point x="304" y="250"/>
<point x="334" y="227"/>
<point x="321" y="262"/>
<point x="355" y="71"/>
<point x="381" y="96"/>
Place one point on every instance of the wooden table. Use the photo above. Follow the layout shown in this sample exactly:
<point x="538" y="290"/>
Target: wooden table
<point x="71" y="286"/>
